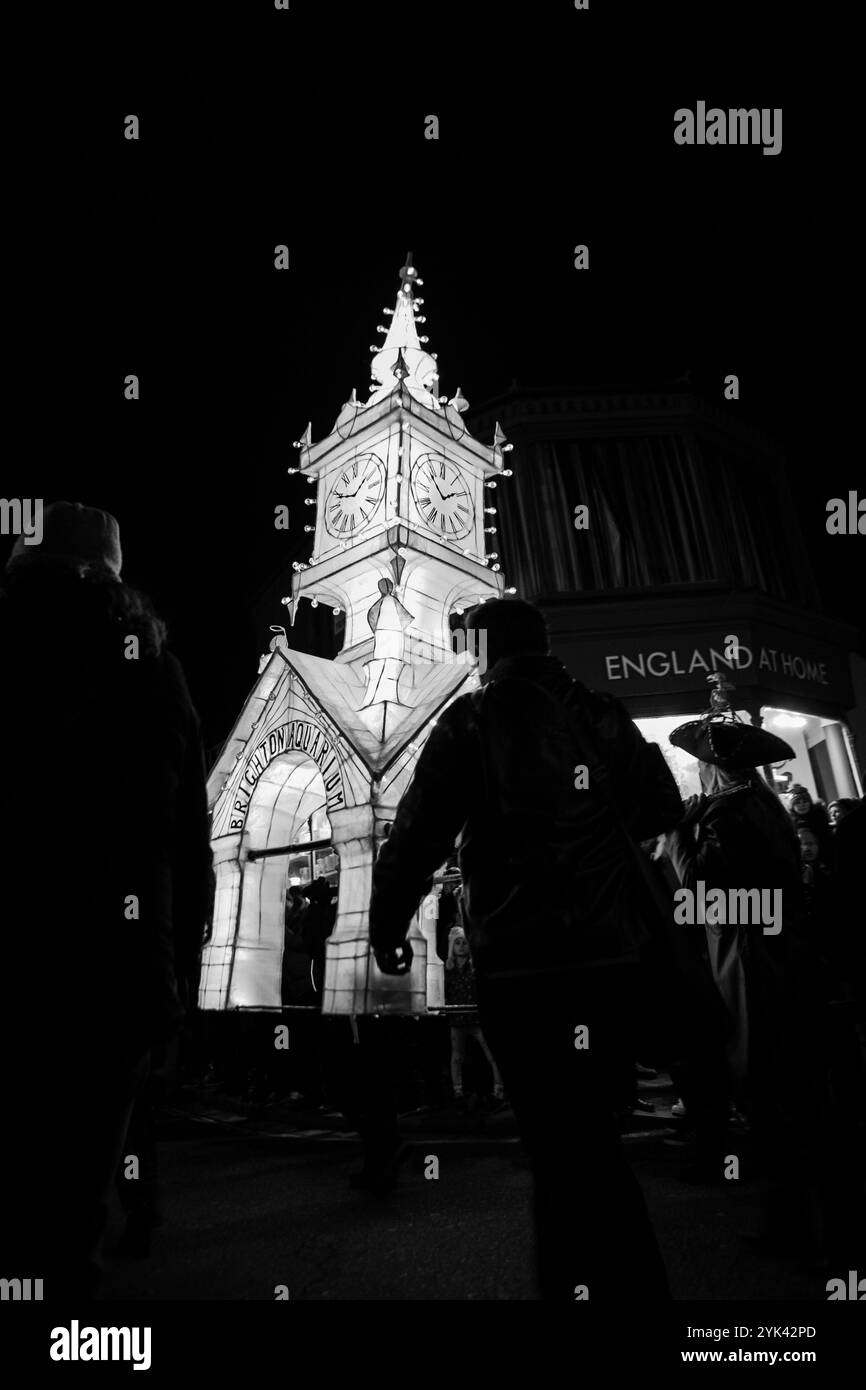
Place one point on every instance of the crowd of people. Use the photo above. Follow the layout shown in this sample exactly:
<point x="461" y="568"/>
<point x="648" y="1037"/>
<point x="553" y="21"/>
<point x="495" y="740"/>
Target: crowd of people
<point x="572" y="929"/>
<point x="563" y="962"/>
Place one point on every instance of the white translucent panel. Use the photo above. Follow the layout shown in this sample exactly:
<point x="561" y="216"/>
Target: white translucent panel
<point x="345" y="977"/>
<point x="257" y="971"/>
<point x="400" y="994"/>
<point x="287" y="793"/>
<point x="216" y="964"/>
<point x="256" y="978"/>
<point x="354" y="984"/>
<point x="217" y="954"/>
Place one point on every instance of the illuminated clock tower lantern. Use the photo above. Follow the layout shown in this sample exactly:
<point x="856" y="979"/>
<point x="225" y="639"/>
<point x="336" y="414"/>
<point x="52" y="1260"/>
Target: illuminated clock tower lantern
<point x="325" y="749"/>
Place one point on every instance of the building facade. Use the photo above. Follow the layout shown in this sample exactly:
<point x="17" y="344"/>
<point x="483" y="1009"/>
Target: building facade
<point x="659" y="538"/>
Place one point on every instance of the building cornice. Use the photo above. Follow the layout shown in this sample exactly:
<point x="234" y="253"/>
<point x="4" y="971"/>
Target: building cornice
<point x="605" y="412"/>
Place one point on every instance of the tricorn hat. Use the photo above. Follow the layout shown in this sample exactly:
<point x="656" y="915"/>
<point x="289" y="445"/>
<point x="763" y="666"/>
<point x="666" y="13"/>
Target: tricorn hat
<point x="721" y="737"/>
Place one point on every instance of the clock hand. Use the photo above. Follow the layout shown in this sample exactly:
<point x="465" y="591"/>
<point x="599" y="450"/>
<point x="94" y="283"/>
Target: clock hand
<point x="347" y="496"/>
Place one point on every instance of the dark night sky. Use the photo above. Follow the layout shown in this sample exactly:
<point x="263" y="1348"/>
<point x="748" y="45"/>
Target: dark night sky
<point x="156" y="258"/>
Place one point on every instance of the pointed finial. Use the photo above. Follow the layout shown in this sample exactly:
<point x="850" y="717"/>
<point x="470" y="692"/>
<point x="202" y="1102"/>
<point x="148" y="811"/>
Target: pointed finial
<point x="459" y="402"/>
<point x="306" y="438"/>
<point x="408" y="274"/>
<point x="500" y="441"/>
<point x="291" y="600"/>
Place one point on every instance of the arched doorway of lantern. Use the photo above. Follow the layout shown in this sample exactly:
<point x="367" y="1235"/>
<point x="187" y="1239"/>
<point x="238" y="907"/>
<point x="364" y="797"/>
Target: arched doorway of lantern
<point x="285" y="843"/>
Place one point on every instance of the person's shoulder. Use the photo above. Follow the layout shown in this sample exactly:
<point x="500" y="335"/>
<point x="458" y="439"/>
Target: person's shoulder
<point x="174" y="673"/>
<point x="603" y="711"/>
<point x="462" y="713"/>
<point x="722" y="810"/>
<point x="167" y="674"/>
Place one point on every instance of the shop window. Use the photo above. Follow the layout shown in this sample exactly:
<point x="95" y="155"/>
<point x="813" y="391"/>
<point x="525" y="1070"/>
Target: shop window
<point x="822" y="761"/>
<point x="306" y="865"/>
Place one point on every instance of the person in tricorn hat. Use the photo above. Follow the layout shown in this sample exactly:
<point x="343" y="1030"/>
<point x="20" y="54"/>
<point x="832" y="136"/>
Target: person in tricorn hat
<point x="105" y="891"/>
<point x="737" y="835"/>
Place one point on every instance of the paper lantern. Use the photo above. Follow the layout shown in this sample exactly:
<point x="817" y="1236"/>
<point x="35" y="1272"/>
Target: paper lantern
<point x="397" y="553"/>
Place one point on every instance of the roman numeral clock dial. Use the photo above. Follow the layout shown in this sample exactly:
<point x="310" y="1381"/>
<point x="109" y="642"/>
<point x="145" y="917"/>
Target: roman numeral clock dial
<point x="442" y="497"/>
<point x="354" y="497"/>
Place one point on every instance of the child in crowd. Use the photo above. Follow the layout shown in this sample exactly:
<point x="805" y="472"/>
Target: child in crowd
<point x="460" y="990"/>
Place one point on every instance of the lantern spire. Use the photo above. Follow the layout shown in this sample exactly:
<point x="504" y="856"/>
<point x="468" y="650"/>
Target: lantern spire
<point x="402" y="355"/>
<point x="408" y="274"/>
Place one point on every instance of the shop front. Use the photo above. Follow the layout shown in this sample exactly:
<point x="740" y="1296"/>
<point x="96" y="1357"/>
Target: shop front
<point x="790" y="672"/>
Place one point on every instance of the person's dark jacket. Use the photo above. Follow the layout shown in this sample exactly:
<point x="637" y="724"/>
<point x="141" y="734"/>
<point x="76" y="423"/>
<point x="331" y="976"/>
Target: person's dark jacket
<point x="318" y="926"/>
<point x="739" y="839"/>
<point x="103" y="825"/>
<point x="744" y="839"/>
<point x="545" y="870"/>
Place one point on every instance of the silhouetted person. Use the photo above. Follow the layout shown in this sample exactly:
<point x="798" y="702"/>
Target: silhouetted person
<point x="317" y="927"/>
<point x="460" y="992"/>
<point x="552" y="927"/>
<point x="738" y="836"/>
<point x="106" y="859"/>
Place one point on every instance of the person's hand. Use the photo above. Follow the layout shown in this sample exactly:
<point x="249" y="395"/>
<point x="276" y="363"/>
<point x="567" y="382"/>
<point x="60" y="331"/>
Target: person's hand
<point x="395" y="960"/>
<point x="693" y="808"/>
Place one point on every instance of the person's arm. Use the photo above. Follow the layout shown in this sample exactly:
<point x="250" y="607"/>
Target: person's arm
<point x="431" y="814"/>
<point x="714" y="853"/>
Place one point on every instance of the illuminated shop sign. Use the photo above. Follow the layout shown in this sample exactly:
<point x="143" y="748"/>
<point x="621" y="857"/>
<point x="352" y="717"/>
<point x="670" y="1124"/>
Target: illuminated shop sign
<point x="671" y="661"/>
<point x="664" y="663"/>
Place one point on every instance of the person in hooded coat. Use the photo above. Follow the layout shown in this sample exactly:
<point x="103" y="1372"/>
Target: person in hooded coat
<point x="553" y="927"/>
<point x="106" y="862"/>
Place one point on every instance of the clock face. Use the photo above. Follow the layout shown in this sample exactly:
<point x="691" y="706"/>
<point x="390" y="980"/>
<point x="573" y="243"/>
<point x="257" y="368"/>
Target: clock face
<point x="441" y="493"/>
<point x="354" y="496"/>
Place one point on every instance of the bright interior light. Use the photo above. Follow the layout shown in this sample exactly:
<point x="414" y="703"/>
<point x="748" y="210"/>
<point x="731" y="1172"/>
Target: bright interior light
<point x="784" y="720"/>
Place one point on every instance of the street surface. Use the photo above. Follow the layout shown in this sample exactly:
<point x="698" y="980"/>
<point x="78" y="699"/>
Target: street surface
<point x="247" y="1211"/>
